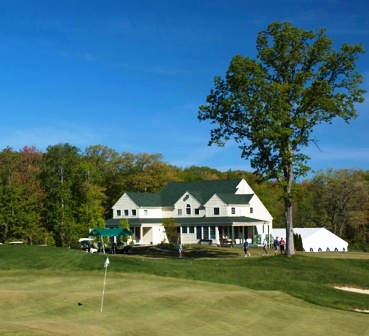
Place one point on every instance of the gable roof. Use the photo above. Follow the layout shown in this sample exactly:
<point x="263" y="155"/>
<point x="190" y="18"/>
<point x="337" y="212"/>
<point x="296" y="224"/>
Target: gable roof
<point x="202" y="191"/>
<point x="145" y="199"/>
<point x="235" y="199"/>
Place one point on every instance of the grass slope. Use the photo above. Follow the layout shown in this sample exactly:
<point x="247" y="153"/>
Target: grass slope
<point x="211" y="291"/>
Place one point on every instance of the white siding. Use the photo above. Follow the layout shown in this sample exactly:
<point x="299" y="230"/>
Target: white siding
<point x="124" y="203"/>
<point x="150" y="213"/>
<point x="168" y="212"/>
<point x="259" y="210"/>
<point x="243" y="188"/>
<point x="240" y="210"/>
<point x="215" y="202"/>
<point x="186" y="200"/>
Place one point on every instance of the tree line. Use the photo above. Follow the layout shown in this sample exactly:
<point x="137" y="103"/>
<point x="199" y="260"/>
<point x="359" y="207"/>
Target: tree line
<point x="54" y="197"/>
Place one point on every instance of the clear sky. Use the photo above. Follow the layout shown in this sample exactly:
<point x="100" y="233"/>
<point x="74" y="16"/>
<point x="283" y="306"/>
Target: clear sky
<point x="131" y="74"/>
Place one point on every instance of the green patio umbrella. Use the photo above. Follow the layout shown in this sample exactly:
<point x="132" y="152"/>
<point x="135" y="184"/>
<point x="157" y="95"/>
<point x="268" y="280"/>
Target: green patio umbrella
<point x="114" y="232"/>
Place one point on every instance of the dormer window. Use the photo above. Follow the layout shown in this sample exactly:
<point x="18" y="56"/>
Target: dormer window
<point x="119" y="213"/>
<point x="216" y="211"/>
<point x="188" y="209"/>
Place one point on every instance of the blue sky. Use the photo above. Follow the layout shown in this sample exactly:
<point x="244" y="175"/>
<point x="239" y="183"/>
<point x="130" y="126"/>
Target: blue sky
<point x="131" y="74"/>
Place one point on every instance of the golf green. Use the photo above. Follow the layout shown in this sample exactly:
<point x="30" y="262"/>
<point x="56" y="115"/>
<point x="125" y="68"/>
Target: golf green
<point x="52" y="302"/>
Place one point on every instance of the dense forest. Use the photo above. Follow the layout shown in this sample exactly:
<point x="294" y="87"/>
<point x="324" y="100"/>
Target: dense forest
<point x="54" y="197"/>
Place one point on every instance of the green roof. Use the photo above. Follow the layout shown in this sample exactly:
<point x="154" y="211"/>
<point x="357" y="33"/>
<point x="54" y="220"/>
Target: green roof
<point x="235" y="199"/>
<point x="202" y="191"/>
<point x="145" y="199"/>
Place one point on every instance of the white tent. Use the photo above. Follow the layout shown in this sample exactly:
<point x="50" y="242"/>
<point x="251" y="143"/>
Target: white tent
<point x="316" y="239"/>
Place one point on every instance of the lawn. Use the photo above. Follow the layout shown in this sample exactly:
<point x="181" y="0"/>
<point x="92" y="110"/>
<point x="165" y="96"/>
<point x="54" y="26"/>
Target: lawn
<point x="54" y="291"/>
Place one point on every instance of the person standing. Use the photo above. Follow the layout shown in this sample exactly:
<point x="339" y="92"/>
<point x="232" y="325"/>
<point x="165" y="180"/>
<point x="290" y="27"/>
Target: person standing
<point x="276" y="245"/>
<point x="265" y="244"/>
<point x="180" y="250"/>
<point x="246" y="249"/>
<point x="282" y="244"/>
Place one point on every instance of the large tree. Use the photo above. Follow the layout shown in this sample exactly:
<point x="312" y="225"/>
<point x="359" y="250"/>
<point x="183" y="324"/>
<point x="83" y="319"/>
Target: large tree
<point x="344" y="197"/>
<point x="58" y="174"/>
<point x="271" y="105"/>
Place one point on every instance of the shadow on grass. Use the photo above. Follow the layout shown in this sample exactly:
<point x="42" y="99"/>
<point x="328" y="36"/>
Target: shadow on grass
<point x="197" y="252"/>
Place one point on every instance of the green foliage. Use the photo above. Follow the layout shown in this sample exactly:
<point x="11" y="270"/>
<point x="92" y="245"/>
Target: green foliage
<point x="123" y="223"/>
<point x="39" y="205"/>
<point x="58" y="174"/>
<point x="344" y="199"/>
<point x="298" y="82"/>
<point x="167" y="246"/>
<point x="271" y="105"/>
<point x="170" y="226"/>
<point x="298" y="242"/>
<point x="196" y="173"/>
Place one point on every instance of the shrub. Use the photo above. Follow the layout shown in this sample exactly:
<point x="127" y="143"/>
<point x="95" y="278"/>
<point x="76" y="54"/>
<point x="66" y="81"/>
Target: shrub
<point x="297" y="239"/>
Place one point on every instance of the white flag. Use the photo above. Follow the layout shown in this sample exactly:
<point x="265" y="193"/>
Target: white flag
<point x="106" y="263"/>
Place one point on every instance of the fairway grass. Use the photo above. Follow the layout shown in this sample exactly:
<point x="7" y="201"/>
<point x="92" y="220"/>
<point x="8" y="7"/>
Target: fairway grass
<point x="211" y="291"/>
<point x="45" y="302"/>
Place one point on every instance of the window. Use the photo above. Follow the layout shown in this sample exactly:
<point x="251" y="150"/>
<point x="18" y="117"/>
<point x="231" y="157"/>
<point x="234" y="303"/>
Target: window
<point x="251" y="210"/>
<point x="184" y="229"/>
<point x="179" y="212"/>
<point x="212" y="232"/>
<point x="198" y="232"/>
<point x="205" y="232"/>
<point x="216" y="211"/>
<point x="125" y="212"/>
<point x="233" y="211"/>
<point x="197" y="211"/>
<point x="145" y="212"/>
<point x="134" y="212"/>
<point x="119" y="213"/>
<point x="188" y="209"/>
<point x="192" y="229"/>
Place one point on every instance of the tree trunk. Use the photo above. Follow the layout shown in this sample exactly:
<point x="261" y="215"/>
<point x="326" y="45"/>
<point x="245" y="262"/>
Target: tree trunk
<point x="290" y="246"/>
<point x="288" y="174"/>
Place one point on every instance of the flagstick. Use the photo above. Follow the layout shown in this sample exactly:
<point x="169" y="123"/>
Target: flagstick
<point x="106" y="269"/>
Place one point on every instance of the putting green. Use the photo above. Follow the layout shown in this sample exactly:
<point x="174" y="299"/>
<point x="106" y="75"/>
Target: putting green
<point x="57" y="303"/>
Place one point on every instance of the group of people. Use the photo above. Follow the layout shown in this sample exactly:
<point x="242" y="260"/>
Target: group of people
<point x="277" y="244"/>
